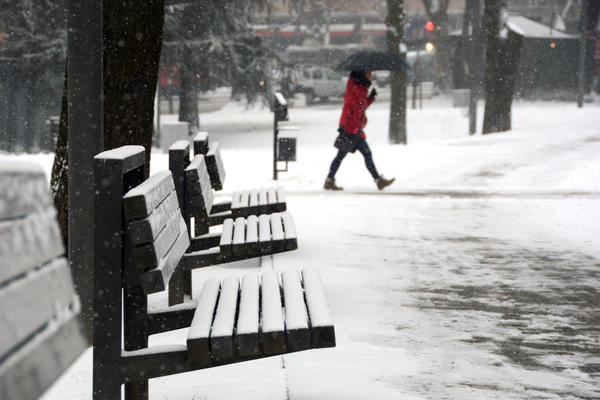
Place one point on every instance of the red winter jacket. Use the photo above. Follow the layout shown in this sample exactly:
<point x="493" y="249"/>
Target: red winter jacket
<point x="356" y="101"/>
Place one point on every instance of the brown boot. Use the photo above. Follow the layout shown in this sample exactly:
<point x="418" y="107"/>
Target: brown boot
<point x="382" y="182"/>
<point x="330" y="185"/>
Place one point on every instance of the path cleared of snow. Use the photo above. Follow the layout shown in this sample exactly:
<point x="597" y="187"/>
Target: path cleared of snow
<point x="475" y="276"/>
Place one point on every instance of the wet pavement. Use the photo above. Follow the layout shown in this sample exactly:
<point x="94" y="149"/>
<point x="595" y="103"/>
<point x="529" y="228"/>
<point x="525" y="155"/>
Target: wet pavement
<point x="486" y="296"/>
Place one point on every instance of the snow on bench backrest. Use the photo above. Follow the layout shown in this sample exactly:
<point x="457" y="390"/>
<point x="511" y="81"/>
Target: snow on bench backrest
<point x="156" y="230"/>
<point x="216" y="170"/>
<point x="201" y="143"/>
<point x="198" y="187"/>
<point x="41" y="331"/>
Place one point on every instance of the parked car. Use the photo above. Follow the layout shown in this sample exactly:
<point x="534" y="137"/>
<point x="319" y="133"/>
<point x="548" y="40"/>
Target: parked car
<point x="382" y="78"/>
<point x="317" y="82"/>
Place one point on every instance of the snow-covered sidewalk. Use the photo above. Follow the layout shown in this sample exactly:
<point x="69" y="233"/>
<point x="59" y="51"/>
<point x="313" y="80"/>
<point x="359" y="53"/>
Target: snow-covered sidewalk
<point x="476" y="275"/>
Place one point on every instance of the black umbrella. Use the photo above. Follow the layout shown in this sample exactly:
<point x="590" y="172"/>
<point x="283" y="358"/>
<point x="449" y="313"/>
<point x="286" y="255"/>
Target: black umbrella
<point x="373" y="61"/>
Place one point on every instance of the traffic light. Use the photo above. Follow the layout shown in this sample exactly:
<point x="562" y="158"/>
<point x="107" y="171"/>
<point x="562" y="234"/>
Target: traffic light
<point x="429" y="26"/>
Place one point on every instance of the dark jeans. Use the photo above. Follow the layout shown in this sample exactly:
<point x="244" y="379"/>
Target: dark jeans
<point x="363" y="147"/>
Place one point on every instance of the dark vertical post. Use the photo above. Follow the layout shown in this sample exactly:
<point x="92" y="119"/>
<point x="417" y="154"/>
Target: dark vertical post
<point x="472" y="17"/>
<point x="180" y="281"/>
<point x="158" y="110"/>
<point x="275" y="133"/>
<point x="414" y="82"/>
<point x="12" y="107"/>
<point x="106" y="381"/>
<point x="582" y="51"/>
<point x="29" y="134"/>
<point x="135" y="307"/>
<point x="85" y="68"/>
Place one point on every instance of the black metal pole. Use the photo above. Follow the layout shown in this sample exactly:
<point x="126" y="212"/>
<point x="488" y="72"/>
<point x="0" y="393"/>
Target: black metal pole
<point x="84" y="68"/>
<point x="582" y="51"/>
<point x="472" y="23"/>
<point x="275" y="133"/>
<point x="414" y="82"/>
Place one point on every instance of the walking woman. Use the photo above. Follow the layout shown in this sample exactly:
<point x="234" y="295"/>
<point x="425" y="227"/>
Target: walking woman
<point x="352" y="136"/>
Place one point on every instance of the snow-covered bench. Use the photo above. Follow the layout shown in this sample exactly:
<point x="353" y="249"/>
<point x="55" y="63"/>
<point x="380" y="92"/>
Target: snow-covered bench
<point x="240" y="238"/>
<point x="41" y="332"/>
<point x="141" y="243"/>
<point x="243" y="203"/>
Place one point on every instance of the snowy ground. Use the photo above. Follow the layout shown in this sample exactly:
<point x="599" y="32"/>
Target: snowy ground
<point x="476" y="275"/>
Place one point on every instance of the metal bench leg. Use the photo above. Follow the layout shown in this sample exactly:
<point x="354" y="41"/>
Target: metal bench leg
<point x="136" y="335"/>
<point x="176" y="286"/>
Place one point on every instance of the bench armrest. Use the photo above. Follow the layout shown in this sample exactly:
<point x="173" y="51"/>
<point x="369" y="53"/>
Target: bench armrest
<point x="220" y="207"/>
<point x="204" y="242"/>
<point x="217" y="219"/>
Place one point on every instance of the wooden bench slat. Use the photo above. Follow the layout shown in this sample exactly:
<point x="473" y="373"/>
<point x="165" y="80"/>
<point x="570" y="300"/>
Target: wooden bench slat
<point x="146" y="230"/>
<point x="252" y="248"/>
<point x="281" y="195"/>
<point x="215" y="167"/>
<point x="150" y="254"/>
<point x="296" y="316"/>
<point x="140" y="201"/>
<point x="236" y="200"/>
<point x="272" y="333"/>
<point x="29" y="242"/>
<point x="197" y="183"/>
<point x="247" y="339"/>
<point x="241" y="206"/>
<point x="323" y="333"/>
<point x="29" y="372"/>
<point x="289" y="230"/>
<point x="201" y="143"/>
<point x="264" y="234"/>
<point x="253" y="202"/>
<point x="199" y="334"/>
<point x="22" y="309"/>
<point x="271" y="196"/>
<point x="239" y="237"/>
<point x="221" y="335"/>
<point x="156" y="279"/>
<point x="263" y="201"/>
<point x="24" y="189"/>
<point x="245" y="199"/>
<point x="226" y="243"/>
<point x="278" y="237"/>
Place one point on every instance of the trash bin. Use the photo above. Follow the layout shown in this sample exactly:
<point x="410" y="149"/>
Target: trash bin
<point x="286" y="148"/>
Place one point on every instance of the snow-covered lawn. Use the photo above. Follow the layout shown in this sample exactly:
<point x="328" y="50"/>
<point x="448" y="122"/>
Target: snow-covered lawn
<point x="476" y="275"/>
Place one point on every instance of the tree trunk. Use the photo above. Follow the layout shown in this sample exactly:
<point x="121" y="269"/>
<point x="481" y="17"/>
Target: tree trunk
<point x="59" y="181"/>
<point x="443" y="74"/>
<point x="395" y="35"/>
<point x="132" y="44"/>
<point x="188" y="95"/>
<point x="502" y="60"/>
<point x="472" y="57"/>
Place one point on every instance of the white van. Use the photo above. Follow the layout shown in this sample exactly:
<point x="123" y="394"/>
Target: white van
<point x="318" y="82"/>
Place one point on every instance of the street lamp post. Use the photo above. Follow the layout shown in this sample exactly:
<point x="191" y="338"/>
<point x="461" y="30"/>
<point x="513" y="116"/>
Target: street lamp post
<point x="582" y="51"/>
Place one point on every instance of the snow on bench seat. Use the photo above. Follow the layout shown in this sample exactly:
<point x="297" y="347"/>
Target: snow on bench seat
<point x="263" y="201"/>
<point x="197" y="341"/>
<point x="264" y="325"/>
<point x="253" y="236"/>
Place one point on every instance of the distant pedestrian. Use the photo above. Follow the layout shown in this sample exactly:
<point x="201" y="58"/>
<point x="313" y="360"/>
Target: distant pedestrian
<point x="352" y="122"/>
